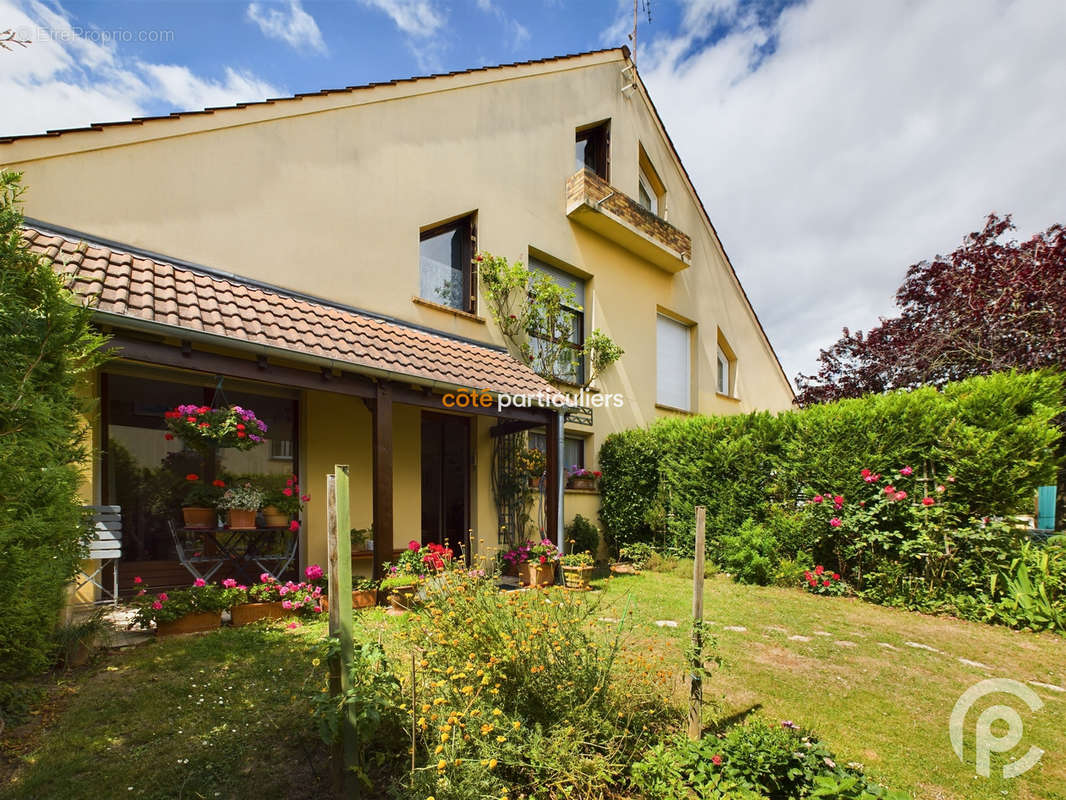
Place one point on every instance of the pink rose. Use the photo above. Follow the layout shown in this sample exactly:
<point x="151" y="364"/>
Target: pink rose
<point x="906" y="471"/>
<point x="928" y="501"/>
<point x="900" y="496"/>
<point x="294" y="525"/>
<point x="157" y="605"/>
<point x="413" y="545"/>
<point x="817" y="498"/>
<point x="835" y="522"/>
<point x="163" y="597"/>
<point x="287" y="492"/>
<point x="199" y="582"/>
<point x="287" y="605"/>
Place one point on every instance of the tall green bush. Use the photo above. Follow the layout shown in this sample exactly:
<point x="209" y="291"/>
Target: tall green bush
<point x="47" y="344"/>
<point x="997" y="435"/>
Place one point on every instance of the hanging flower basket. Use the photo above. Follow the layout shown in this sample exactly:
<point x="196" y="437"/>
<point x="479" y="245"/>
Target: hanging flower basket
<point x="204" y="428"/>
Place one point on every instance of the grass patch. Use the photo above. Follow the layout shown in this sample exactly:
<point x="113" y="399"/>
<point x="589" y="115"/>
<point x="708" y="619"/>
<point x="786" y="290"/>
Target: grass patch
<point x="130" y="720"/>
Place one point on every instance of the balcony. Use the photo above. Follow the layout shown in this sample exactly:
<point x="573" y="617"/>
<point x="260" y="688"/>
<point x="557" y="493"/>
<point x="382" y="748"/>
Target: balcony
<point x="595" y="204"/>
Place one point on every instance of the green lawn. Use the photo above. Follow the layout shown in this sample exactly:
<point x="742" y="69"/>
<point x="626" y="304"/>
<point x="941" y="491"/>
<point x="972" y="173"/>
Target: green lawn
<point x="234" y="703"/>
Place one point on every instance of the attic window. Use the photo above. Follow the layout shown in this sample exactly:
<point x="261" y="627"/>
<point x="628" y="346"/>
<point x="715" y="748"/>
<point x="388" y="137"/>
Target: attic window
<point x="592" y="149"/>
<point x="446" y="255"/>
<point x="650" y="190"/>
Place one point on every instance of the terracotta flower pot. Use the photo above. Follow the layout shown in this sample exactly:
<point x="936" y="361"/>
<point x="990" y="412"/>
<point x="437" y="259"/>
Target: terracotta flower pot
<point x="273" y="518"/>
<point x="401" y="598"/>
<point x="241" y="519"/>
<point x="247" y="613"/>
<point x="196" y="517"/>
<point x="191" y="623"/>
<point x="577" y="577"/>
<point x="361" y="598"/>
<point x="533" y="573"/>
<point x="535" y="482"/>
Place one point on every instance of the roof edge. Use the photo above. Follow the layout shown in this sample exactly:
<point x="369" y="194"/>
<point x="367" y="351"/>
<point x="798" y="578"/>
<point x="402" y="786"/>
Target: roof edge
<point x="96" y="127"/>
<point x="71" y="234"/>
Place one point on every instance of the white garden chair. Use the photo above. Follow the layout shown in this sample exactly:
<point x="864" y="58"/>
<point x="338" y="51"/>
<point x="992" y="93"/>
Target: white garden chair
<point x="106" y="548"/>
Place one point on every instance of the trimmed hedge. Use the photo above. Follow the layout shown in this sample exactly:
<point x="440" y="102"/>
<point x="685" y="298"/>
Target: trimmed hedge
<point x="997" y="435"/>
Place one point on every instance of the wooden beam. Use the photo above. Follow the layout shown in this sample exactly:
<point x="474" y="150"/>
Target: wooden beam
<point x="695" y="710"/>
<point x="382" y="459"/>
<point x="513" y="426"/>
<point x="338" y="382"/>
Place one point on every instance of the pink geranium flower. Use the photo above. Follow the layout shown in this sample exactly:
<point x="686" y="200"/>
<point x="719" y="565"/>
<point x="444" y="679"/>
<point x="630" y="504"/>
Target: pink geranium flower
<point x="817" y="498"/>
<point x="229" y="583"/>
<point x="835" y="522"/>
<point x="900" y="496"/>
<point x="157" y="605"/>
<point x="199" y="582"/>
<point x="928" y="501"/>
<point x="162" y="597"/>
<point x="906" y="471"/>
<point x="294" y="525"/>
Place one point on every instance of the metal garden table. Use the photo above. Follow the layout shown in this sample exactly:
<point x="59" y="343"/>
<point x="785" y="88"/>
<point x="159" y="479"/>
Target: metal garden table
<point x="253" y="551"/>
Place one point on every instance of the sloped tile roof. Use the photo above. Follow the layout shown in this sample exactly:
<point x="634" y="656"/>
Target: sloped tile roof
<point x="137" y="286"/>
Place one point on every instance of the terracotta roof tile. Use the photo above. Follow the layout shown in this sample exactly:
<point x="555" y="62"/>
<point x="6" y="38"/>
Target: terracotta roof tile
<point x="134" y="285"/>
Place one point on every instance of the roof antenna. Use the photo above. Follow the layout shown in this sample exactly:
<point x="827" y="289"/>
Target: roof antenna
<point x="637" y="4"/>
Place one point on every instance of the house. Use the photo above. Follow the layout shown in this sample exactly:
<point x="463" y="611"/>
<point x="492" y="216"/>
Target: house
<point x="312" y="258"/>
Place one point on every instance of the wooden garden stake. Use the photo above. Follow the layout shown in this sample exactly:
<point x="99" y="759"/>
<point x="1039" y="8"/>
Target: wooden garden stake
<point x="695" y="721"/>
<point x="339" y="542"/>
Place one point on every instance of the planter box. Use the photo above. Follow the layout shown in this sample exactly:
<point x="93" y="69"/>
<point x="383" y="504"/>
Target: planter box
<point x="191" y="623"/>
<point x="402" y="598"/>
<point x="247" y="613"/>
<point x="581" y="483"/>
<point x="272" y="518"/>
<point x="532" y="573"/>
<point x="575" y="577"/>
<point x="241" y="519"/>
<point x="195" y="517"/>
<point x="361" y="598"/>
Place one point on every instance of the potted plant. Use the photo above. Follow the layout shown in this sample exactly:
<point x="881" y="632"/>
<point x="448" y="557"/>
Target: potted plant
<point x="633" y="558"/>
<point x="532" y="462"/>
<point x="198" y="506"/>
<point x="535" y="561"/>
<point x="581" y="478"/>
<point x="241" y="503"/>
<point x="400" y="588"/>
<point x="192" y="610"/>
<point x="282" y="504"/>
<point x="577" y="570"/>
<point x="362" y="539"/>
<point x="203" y="428"/>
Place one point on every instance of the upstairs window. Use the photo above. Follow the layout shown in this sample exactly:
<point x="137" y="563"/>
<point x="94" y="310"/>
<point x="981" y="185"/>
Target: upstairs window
<point x="446" y="257"/>
<point x="650" y="190"/>
<point x="673" y="363"/>
<point x="723" y="373"/>
<point x="726" y="372"/>
<point x="593" y="149"/>
<point x="569" y="365"/>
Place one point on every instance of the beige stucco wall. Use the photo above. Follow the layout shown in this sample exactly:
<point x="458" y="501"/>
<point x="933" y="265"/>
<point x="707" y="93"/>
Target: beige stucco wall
<point x="326" y="195"/>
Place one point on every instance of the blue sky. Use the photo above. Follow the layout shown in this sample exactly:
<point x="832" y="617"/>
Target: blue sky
<point x="833" y="142"/>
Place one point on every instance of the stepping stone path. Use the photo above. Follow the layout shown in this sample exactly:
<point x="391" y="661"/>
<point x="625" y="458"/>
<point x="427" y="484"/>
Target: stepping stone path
<point x="920" y="646"/>
<point x="666" y="623"/>
<point x="798" y="638"/>
<point x="735" y="628"/>
<point x="977" y="664"/>
<point x="887" y="646"/>
<point x="776" y="629"/>
<point x="608" y="619"/>
<point x="1050" y="686"/>
<point x="844" y="643"/>
<point x="822" y="633"/>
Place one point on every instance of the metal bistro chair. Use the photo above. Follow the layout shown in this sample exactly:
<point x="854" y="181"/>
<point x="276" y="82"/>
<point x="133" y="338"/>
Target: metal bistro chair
<point x="106" y="548"/>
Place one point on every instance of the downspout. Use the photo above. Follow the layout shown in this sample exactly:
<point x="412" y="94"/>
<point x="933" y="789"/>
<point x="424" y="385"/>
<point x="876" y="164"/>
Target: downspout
<point x="560" y="481"/>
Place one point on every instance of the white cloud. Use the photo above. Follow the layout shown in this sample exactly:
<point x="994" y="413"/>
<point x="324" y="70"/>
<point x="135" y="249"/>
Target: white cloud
<point x="519" y="32"/>
<point x="872" y="136"/>
<point x="68" y="79"/>
<point x="292" y="25"/>
<point x="418" y="18"/>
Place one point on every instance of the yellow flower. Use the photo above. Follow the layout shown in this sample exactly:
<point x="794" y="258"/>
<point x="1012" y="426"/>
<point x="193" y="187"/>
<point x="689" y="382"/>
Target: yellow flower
<point x="492" y="763"/>
<point x="442" y="764"/>
<point x="444" y="737"/>
<point x="501" y="738"/>
<point x="496" y="712"/>
<point x="315" y="662"/>
<point x="439" y="750"/>
<point x="517" y="725"/>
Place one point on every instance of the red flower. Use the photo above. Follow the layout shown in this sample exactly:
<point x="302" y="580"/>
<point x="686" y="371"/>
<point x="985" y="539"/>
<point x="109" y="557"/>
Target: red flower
<point x="168" y="436"/>
<point x="306" y="498"/>
<point x="817" y="498"/>
<point x="190" y="419"/>
<point x="240" y="427"/>
<point x="890" y="489"/>
<point x="836" y="576"/>
<point x="413" y="545"/>
<point x="928" y="501"/>
<point x="287" y="492"/>
<point x="838" y="501"/>
<point x="137" y="579"/>
<point x="294" y="526"/>
<point x="716" y="760"/>
<point x="163" y="597"/>
<point x="825" y="583"/>
<point x="241" y="434"/>
<point x="819" y="570"/>
<point x="218" y="483"/>
<point x="866" y="473"/>
<point x="900" y="496"/>
<point x="835" y="522"/>
<point x="192" y="476"/>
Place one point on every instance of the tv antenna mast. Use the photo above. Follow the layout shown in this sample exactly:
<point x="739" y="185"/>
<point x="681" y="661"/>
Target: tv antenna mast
<point x="637" y="5"/>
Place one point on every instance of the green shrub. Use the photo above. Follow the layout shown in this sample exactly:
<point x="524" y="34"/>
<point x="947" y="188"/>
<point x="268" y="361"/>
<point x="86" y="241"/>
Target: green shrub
<point x="752" y="760"/>
<point x="629" y="461"/>
<point x="48" y="347"/>
<point x="750" y="554"/>
<point x="582" y="536"/>
<point x="639" y="554"/>
<point x="789" y="571"/>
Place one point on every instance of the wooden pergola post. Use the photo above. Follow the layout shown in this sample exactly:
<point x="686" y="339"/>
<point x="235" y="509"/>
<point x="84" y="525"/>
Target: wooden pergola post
<point x="553" y="498"/>
<point x="382" y="444"/>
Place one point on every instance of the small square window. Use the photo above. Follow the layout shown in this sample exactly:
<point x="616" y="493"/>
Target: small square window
<point x="446" y="262"/>
<point x="592" y="150"/>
